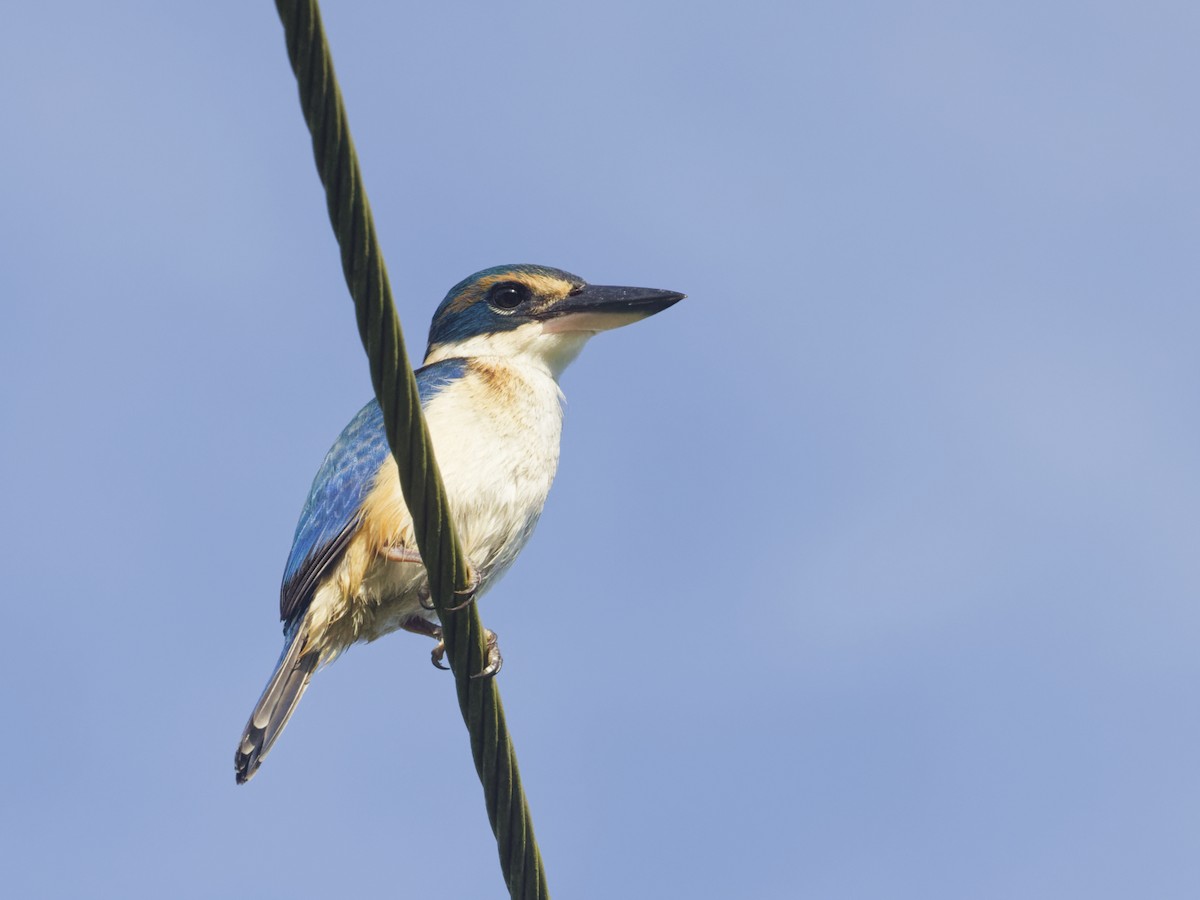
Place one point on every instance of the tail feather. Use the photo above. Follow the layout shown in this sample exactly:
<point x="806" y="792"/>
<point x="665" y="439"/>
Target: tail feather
<point x="275" y="706"/>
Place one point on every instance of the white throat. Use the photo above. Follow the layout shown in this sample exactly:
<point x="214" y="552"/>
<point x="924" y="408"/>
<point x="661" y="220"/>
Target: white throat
<point x="528" y="345"/>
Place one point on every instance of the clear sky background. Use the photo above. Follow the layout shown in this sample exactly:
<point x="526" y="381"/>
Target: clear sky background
<point x="871" y="570"/>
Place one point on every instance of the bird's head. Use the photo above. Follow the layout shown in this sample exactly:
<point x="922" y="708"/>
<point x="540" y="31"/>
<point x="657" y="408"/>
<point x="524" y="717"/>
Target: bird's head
<point x="542" y="314"/>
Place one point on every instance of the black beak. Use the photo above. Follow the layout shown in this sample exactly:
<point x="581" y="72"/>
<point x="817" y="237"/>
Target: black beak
<point x="599" y="307"/>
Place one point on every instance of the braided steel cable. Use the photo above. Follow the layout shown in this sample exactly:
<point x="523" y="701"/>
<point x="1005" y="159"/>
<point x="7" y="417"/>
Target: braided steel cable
<point x="396" y="389"/>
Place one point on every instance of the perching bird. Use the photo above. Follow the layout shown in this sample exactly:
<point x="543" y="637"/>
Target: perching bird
<point x="489" y="391"/>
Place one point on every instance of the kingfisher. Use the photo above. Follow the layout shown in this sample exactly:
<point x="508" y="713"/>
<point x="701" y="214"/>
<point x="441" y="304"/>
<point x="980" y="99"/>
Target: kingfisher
<point x="489" y="391"/>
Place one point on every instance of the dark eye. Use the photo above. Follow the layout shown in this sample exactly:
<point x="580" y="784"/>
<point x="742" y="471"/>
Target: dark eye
<point x="508" y="295"/>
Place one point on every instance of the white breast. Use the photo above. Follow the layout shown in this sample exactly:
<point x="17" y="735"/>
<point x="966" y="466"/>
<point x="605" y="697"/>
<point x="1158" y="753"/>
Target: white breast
<point x="496" y="435"/>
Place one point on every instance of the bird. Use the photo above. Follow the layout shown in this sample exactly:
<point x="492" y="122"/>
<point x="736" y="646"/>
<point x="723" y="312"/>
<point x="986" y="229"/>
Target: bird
<point x="489" y="391"/>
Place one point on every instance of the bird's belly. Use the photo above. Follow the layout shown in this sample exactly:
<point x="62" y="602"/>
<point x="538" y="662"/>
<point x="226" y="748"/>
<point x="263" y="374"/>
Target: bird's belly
<point x="492" y="532"/>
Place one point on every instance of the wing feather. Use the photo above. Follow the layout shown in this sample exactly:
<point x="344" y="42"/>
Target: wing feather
<point x="332" y="513"/>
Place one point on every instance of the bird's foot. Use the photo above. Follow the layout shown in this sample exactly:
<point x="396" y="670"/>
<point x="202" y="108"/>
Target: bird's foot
<point x="423" y="595"/>
<point x="491" y="649"/>
<point x="423" y="598"/>
<point x="438" y="654"/>
<point x="400" y="553"/>
<point x="468" y="592"/>
<point x="419" y="625"/>
<point x="491" y="653"/>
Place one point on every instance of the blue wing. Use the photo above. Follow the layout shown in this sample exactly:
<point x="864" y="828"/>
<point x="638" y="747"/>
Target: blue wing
<point x="331" y="513"/>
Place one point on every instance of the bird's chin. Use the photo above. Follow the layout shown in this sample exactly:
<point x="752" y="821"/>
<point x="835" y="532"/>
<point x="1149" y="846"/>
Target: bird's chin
<point x="590" y="322"/>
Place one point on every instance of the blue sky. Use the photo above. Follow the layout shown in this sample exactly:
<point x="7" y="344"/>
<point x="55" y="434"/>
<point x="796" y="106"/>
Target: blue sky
<point x="871" y="569"/>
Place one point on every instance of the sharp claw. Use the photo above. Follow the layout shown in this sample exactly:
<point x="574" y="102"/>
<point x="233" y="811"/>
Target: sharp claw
<point x="461" y="606"/>
<point x="472" y="582"/>
<point x="423" y="599"/>
<point x="494" y="660"/>
<point x="438" y="654"/>
<point x="492" y="649"/>
<point x="468" y="591"/>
